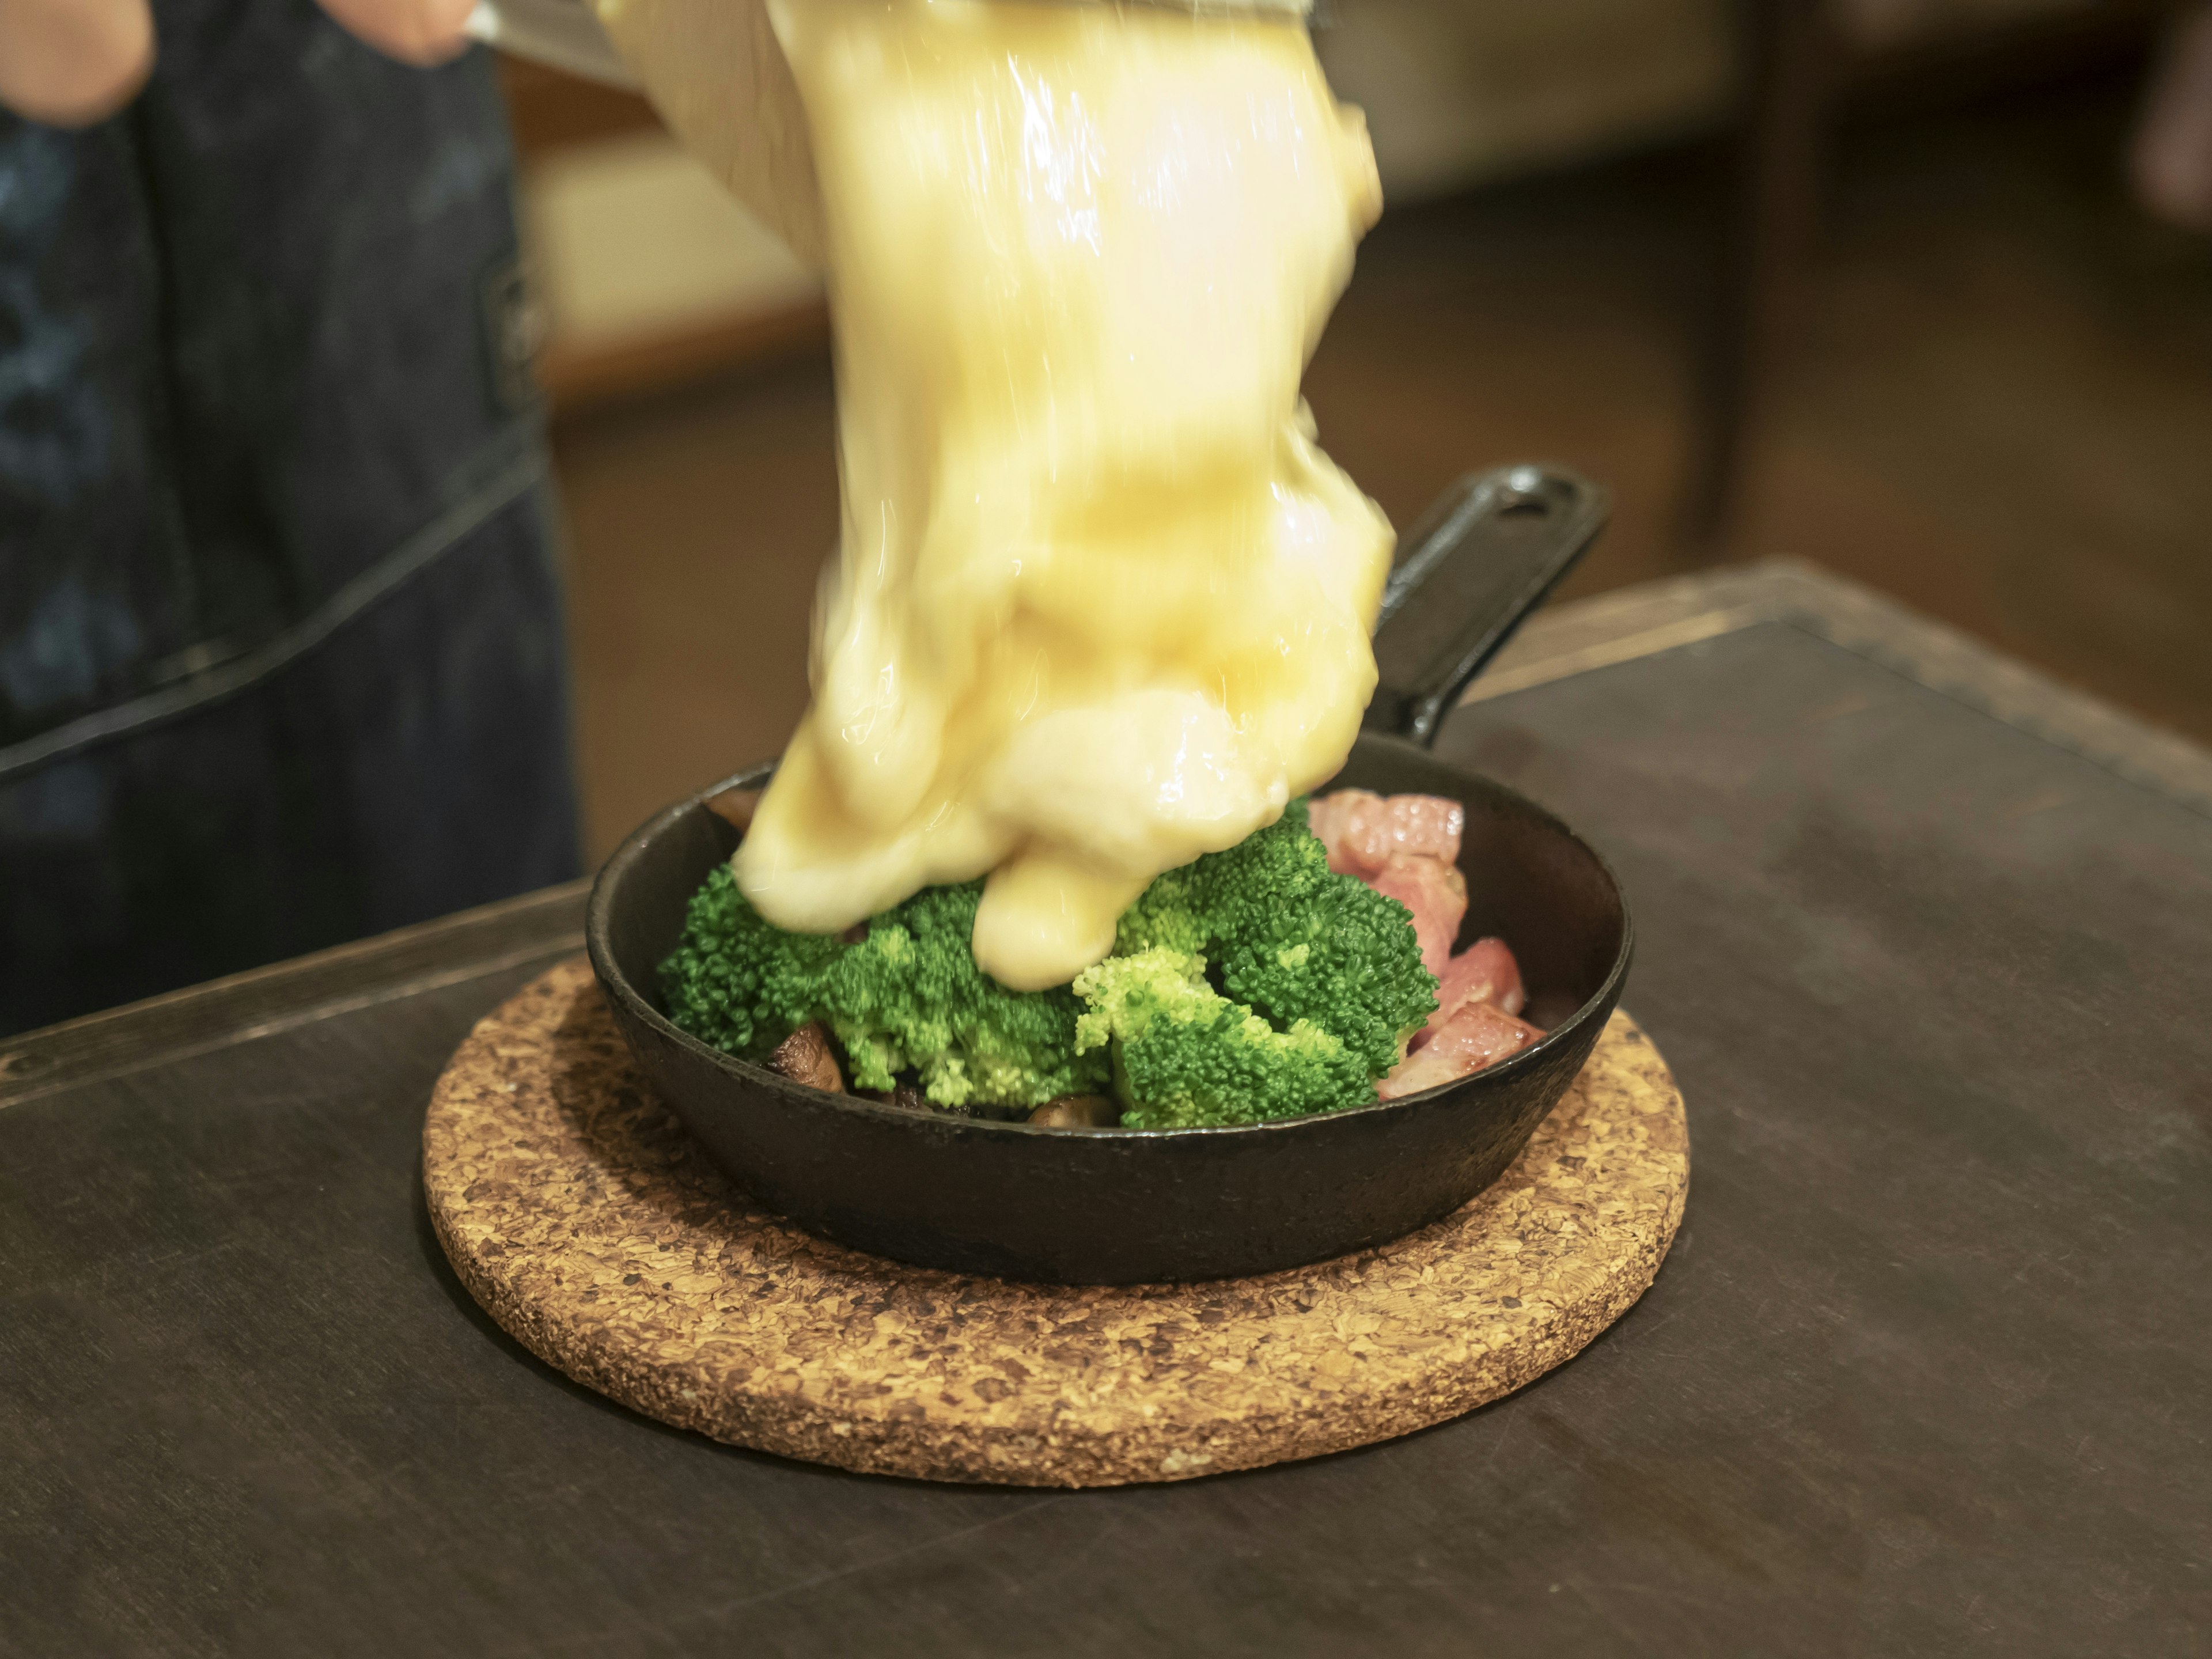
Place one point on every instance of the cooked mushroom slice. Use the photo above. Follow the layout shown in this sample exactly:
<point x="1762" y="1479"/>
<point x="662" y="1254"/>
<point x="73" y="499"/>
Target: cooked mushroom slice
<point x="1078" y="1112"/>
<point x="804" y="1057"/>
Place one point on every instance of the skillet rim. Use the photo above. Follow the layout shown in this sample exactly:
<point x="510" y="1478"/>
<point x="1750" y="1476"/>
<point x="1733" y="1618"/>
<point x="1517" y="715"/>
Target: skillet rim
<point x="599" y="945"/>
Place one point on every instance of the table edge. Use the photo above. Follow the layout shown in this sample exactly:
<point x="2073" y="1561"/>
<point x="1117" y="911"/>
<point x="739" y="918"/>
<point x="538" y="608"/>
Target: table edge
<point x="1574" y="638"/>
<point x="198" y="1019"/>
<point x="1661" y="615"/>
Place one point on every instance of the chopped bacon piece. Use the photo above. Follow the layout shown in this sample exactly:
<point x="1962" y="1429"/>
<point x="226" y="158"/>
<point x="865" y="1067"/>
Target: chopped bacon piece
<point x="1407" y="848"/>
<point x="1435" y="893"/>
<point x="1485" y="972"/>
<point x="1404" y="847"/>
<point x="1363" y="831"/>
<point x="1478" y="1034"/>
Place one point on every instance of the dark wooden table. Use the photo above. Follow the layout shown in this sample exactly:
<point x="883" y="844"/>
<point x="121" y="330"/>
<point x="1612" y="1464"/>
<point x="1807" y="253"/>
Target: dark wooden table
<point x="1928" y="940"/>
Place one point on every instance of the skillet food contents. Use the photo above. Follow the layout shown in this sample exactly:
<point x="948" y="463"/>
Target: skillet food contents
<point x="1407" y="847"/>
<point x="1251" y="984"/>
<point x="1100" y="604"/>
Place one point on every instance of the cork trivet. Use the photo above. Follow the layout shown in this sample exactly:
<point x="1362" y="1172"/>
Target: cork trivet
<point x="580" y="1214"/>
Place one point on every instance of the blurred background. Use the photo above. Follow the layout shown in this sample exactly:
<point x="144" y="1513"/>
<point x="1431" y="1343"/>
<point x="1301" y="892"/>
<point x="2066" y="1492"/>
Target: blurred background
<point x="1906" y="288"/>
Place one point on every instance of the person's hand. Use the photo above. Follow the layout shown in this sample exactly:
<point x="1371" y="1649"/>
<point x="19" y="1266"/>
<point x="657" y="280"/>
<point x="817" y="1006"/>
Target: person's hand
<point x="70" y="63"/>
<point x="417" y="32"/>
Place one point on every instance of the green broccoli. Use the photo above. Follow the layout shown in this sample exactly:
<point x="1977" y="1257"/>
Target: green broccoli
<point x="737" y="982"/>
<point x="907" y="997"/>
<point x="1185" y="1056"/>
<point x="1316" y="984"/>
<point x="1293" y="940"/>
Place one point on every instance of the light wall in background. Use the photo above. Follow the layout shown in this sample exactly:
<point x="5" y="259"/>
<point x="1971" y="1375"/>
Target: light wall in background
<point x="650" y="273"/>
<point x="631" y="237"/>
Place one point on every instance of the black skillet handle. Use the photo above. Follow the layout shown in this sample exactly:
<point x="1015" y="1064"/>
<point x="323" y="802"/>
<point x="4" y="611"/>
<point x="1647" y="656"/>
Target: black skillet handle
<point x="1483" y="557"/>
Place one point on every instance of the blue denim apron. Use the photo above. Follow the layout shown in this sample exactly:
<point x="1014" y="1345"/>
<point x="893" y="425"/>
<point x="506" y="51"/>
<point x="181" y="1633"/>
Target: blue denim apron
<point x="282" y="657"/>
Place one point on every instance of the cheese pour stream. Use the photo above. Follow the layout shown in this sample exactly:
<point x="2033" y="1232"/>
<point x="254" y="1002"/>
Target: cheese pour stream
<point x="1101" y="603"/>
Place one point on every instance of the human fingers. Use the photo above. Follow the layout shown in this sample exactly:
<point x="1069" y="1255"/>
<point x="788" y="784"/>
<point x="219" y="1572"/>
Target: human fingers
<point x="418" y="31"/>
<point x="70" y="63"/>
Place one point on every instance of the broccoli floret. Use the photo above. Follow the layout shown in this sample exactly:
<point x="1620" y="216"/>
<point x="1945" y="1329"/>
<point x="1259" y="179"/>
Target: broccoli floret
<point x="1294" y="940"/>
<point x="907" y="997"/>
<point x="1185" y="1056"/>
<point x="1317" y="982"/>
<point x="737" y="980"/>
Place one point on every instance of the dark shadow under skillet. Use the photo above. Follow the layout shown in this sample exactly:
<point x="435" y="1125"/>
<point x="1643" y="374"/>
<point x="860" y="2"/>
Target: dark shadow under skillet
<point x="1125" y="1206"/>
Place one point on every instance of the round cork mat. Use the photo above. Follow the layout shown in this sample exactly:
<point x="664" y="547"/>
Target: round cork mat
<point x="580" y="1214"/>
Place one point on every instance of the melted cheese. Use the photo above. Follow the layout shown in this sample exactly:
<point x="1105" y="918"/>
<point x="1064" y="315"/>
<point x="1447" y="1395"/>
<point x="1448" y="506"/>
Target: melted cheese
<point x="1100" y="603"/>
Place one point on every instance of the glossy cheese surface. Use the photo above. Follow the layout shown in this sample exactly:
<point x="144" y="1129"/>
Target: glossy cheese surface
<point x="1100" y="603"/>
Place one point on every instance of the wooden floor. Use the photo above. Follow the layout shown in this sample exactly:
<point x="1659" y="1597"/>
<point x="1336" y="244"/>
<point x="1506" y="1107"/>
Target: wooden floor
<point x="2000" y="410"/>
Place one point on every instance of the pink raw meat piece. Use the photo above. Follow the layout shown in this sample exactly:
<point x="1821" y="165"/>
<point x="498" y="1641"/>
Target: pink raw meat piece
<point x="1363" y="831"/>
<point x="1485" y="972"/>
<point x="1478" y="1034"/>
<point x="1435" y="893"/>
<point x="1404" y="847"/>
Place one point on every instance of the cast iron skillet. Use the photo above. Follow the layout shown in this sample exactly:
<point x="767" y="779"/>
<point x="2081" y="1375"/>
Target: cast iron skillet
<point x="1125" y="1206"/>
